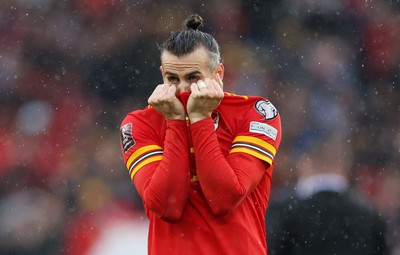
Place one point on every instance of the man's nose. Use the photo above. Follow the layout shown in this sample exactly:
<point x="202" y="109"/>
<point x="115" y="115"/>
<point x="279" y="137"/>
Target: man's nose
<point x="184" y="86"/>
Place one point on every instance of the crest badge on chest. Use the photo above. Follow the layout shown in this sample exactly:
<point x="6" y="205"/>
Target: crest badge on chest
<point x="215" y="116"/>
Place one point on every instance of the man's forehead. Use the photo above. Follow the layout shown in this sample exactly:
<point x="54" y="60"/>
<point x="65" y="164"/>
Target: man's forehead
<point x="184" y="66"/>
<point x="197" y="58"/>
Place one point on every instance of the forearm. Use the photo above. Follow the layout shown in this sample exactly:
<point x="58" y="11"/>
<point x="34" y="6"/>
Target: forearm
<point x="165" y="189"/>
<point x="225" y="181"/>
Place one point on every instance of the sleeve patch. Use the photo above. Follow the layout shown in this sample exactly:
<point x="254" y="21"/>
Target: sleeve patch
<point x="126" y="137"/>
<point x="264" y="129"/>
<point x="266" y="109"/>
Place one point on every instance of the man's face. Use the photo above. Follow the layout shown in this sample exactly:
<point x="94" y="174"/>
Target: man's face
<point x="184" y="70"/>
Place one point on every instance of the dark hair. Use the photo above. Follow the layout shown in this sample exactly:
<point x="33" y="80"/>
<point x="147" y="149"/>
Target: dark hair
<point x="190" y="39"/>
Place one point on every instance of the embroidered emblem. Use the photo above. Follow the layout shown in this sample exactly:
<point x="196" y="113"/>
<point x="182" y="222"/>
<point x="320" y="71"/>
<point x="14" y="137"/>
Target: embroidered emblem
<point x="215" y="116"/>
<point x="126" y="137"/>
<point x="266" y="109"/>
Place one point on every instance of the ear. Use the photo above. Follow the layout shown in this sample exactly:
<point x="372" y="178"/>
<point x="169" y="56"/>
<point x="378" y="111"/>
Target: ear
<point x="220" y="70"/>
<point x="162" y="71"/>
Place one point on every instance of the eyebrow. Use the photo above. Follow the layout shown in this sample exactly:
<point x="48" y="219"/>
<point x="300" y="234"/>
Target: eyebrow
<point x="186" y="75"/>
<point x="193" y="73"/>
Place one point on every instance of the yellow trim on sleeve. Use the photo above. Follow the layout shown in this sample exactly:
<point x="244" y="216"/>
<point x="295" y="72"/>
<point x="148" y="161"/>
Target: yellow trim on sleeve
<point x="233" y="94"/>
<point x="252" y="153"/>
<point x="145" y="162"/>
<point x="140" y="152"/>
<point x="256" y="141"/>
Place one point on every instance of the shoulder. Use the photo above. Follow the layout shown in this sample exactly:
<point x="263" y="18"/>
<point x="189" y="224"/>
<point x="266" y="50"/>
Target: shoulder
<point x="141" y="122"/>
<point x="255" y="111"/>
<point x="235" y="98"/>
<point x="148" y="115"/>
<point x="255" y="104"/>
<point x="139" y="127"/>
<point x="257" y="125"/>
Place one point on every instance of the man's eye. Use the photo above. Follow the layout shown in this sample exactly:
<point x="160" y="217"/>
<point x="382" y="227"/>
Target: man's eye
<point x="192" y="79"/>
<point x="173" y="79"/>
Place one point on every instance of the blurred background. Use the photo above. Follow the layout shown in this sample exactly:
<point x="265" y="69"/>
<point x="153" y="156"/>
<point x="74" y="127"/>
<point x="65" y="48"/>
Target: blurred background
<point x="70" y="70"/>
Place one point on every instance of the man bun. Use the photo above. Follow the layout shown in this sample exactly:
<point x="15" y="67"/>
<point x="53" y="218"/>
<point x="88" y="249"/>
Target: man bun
<point x="194" y="21"/>
<point x="190" y="38"/>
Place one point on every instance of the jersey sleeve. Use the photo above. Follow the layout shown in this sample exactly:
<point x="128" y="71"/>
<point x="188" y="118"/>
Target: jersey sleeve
<point x="151" y="160"/>
<point x="139" y="143"/>
<point x="259" y="130"/>
<point x="227" y="181"/>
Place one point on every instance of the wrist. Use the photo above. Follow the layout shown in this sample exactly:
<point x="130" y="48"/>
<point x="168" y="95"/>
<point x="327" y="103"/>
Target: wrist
<point x="197" y="117"/>
<point x="175" y="117"/>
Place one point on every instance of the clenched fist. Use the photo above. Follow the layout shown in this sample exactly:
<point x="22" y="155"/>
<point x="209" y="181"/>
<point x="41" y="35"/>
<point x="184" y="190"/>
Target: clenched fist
<point x="205" y="97"/>
<point x="164" y="100"/>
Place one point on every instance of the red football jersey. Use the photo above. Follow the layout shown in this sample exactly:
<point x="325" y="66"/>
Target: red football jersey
<point x="205" y="186"/>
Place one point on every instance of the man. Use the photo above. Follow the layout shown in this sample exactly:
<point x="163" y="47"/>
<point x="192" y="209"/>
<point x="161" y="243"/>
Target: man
<point x="201" y="159"/>
<point x="323" y="215"/>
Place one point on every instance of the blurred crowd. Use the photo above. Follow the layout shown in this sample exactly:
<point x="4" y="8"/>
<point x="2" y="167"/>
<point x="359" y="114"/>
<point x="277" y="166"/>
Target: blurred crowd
<point x="71" y="70"/>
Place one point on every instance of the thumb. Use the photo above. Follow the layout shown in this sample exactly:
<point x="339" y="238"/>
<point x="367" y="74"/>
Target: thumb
<point x="171" y="91"/>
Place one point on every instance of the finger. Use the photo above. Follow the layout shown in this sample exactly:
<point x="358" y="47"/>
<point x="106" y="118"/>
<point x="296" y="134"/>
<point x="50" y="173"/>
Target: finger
<point x="201" y="84"/>
<point x="171" y="91"/>
<point x="194" y="88"/>
<point x="165" y="80"/>
<point x="218" y="79"/>
<point x="155" y="94"/>
<point x="218" y="84"/>
<point x="213" y="86"/>
<point x="159" y="92"/>
<point x="217" y="87"/>
<point x="165" y="87"/>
